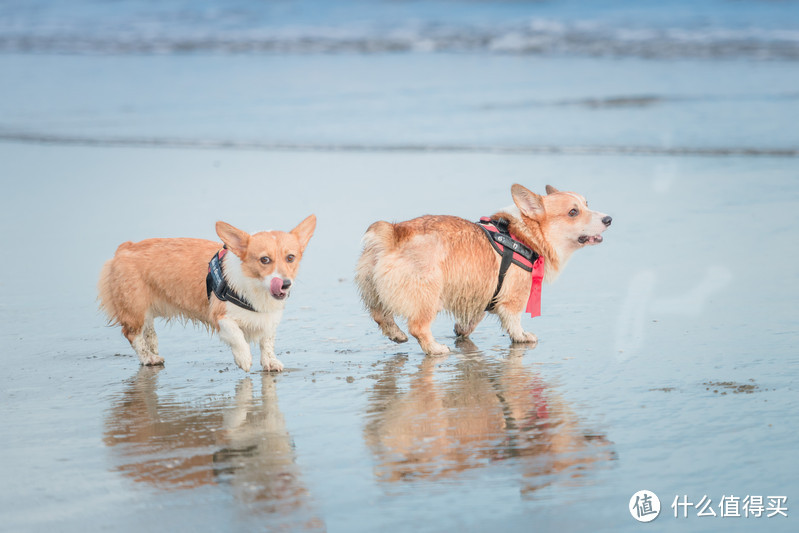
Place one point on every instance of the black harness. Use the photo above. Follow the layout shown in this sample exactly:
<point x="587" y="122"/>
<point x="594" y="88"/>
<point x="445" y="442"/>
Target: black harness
<point x="506" y="246"/>
<point x="215" y="282"/>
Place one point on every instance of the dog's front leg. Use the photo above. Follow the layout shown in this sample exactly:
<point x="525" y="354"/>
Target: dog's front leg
<point x="269" y="360"/>
<point x="512" y="323"/>
<point x="231" y="333"/>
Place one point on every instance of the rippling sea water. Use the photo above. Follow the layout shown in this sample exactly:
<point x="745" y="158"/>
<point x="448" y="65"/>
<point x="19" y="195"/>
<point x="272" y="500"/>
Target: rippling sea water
<point x="676" y="28"/>
<point x="667" y="355"/>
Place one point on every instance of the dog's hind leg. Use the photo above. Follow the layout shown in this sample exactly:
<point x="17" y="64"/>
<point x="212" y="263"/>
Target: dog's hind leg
<point x="138" y="340"/>
<point x="123" y="296"/>
<point x="150" y="338"/>
<point x="419" y="327"/>
<point x="137" y="327"/>
<point x="364" y="278"/>
<point x="388" y="326"/>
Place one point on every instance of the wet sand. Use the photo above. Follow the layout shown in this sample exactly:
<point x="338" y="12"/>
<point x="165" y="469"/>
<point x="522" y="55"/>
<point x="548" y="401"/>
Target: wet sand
<point x="691" y="296"/>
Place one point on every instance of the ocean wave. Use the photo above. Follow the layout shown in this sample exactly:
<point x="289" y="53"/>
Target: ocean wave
<point x="536" y="38"/>
<point x="640" y="101"/>
<point x="229" y="144"/>
<point x="306" y="27"/>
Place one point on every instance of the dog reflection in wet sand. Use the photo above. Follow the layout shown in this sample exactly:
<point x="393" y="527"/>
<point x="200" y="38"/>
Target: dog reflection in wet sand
<point x="487" y="412"/>
<point x="241" y="442"/>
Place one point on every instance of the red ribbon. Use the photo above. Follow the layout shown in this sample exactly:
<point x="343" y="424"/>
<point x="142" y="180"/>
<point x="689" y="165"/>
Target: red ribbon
<point x="534" y="301"/>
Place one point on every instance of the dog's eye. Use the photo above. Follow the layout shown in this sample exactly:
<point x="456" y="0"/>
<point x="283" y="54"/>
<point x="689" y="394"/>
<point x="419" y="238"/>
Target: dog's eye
<point x="290" y="258"/>
<point x="574" y="213"/>
<point x="265" y="260"/>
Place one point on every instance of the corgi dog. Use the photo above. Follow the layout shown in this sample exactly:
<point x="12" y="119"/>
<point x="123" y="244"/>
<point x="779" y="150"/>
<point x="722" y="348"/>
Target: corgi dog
<point x="417" y="268"/>
<point x="238" y="291"/>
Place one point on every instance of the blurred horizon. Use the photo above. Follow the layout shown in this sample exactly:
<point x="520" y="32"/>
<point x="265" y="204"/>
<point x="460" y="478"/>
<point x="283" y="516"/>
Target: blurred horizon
<point x="711" y="29"/>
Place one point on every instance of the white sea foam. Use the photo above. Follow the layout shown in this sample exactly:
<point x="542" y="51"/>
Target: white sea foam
<point x="716" y="30"/>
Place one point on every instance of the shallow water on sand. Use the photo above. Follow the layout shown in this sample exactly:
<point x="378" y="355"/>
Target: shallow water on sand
<point x="403" y="103"/>
<point x="668" y="354"/>
<point x="666" y="360"/>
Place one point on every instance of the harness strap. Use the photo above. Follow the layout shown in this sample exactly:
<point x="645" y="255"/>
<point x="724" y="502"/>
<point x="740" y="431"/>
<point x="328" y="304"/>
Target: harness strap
<point x="507" y="257"/>
<point x="505" y="245"/>
<point x="215" y="282"/>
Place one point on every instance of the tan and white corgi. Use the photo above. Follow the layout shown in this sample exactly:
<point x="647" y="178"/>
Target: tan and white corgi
<point x="417" y="268"/>
<point x="240" y="295"/>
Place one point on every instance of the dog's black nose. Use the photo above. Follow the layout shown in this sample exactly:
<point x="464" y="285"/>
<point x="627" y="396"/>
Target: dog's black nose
<point x="607" y="220"/>
<point x="286" y="284"/>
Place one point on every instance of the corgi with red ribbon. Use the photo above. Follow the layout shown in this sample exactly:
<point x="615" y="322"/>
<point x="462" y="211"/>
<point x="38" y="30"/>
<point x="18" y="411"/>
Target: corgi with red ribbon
<point x="238" y="290"/>
<point x="417" y="268"/>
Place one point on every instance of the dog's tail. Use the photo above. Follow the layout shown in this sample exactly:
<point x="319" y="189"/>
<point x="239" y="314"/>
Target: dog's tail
<point x="124" y="246"/>
<point x="380" y="235"/>
<point x="105" y="296"/>
<point x="378" y="239"/>
<point x="105" y="286"/>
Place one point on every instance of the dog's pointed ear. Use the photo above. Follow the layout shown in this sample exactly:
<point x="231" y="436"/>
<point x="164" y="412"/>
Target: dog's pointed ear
<point x="527" y="201"/>
<point x="551" y="189"/>
<point x="304" y="231"/>
<point x="235" y="239"/>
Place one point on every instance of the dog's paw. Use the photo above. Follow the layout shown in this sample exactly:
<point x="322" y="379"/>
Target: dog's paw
<point x="435" y="348"/>
<point x="152" y="360"/>
<point x="462" y="331"/>
<point x="526" y="338"/>
<point x="394" y="333"/>
<point x="399" y="337"/>
<point x="272" y="365"/>
<point x="244" y="363"/>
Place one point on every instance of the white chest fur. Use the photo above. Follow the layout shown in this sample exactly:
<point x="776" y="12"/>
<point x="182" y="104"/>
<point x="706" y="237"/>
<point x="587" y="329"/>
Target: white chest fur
<point x="254" y="325"/>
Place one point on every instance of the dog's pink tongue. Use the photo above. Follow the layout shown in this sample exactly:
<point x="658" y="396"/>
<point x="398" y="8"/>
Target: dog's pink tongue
<point x="276" y="286"/>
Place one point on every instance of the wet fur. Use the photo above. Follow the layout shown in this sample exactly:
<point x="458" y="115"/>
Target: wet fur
<point x="166" y="278"/>
<point x="418" y="268"/>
